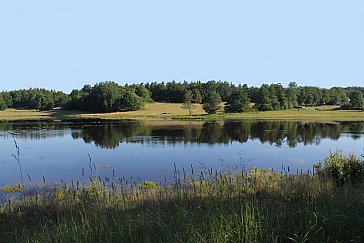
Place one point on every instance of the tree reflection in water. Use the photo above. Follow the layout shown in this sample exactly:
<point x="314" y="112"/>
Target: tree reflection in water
<point x="109" y="134"/>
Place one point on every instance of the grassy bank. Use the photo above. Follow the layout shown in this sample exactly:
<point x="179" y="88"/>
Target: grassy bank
<point x="261" y="206"/>
<point x="175" y="111"/>
<point x="56" y="114"/>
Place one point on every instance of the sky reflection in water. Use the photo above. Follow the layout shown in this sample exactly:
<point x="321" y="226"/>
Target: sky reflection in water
<point x="149" y="149"/>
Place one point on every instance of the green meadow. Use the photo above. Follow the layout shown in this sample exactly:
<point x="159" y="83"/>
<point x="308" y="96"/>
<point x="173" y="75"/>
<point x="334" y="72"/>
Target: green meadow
<point x="166" y="111"/>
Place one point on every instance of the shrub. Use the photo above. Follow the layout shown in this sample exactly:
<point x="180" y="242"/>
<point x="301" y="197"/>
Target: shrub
<point x="343" y="169"/>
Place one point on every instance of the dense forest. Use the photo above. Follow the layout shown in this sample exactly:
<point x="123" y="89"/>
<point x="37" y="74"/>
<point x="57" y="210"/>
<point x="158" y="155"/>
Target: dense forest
<point x="110" y="97"/>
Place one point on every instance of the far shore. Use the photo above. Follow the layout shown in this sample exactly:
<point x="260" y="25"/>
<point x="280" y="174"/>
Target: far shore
<point x="174" y="111"/>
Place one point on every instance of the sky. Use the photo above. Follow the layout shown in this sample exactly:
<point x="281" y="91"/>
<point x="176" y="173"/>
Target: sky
<point x="65" y="44"/>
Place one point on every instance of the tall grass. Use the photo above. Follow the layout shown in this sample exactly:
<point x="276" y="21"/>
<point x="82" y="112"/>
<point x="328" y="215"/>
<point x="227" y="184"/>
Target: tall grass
<point x="214" y="206"/>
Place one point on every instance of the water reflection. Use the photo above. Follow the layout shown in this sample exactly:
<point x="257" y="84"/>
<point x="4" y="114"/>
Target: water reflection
<point x="110" y="134"/>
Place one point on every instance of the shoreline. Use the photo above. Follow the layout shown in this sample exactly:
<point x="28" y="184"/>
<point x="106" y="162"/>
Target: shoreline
<point x="156" y="112"/>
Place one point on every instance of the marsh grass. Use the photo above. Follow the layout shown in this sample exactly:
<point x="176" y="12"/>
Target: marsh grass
<point x="149" y="184"/>
<point x="213" y="206"/>
<point x="12" y="189"/>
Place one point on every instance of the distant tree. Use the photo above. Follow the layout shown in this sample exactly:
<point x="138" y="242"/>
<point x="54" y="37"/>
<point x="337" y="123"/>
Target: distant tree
<point x="264" y="102"/>
<point x="143" y="93"/>
<point x="273" y="97"/>
<point x="78" y="100"/>
<point x="238" y="102"/>
<point x="2" y="103"/>
<point x="211" y="103"/>
<point x="336" y="96"/>
<point x="187" y="102"/>
<point x="281" y="96"/>
<point x="86" y="89"/>
<point x="175" y="92"/>
<point x="129" y="101"/>
<point x="60" y="98"/>
<point x="44" y="101"/>
<point x="292" y="92"/>
<point x="196" y="96"/>
<point x="253" y="94"/>
<point x="325" y="97"/>
<point x="208" y="88"/>
<point x="104" y="96"/>
<point x="356" y="100"/>
<point x="158" y="90"/>
<point x="7" y="98"/>
<point x="224" y="89"/>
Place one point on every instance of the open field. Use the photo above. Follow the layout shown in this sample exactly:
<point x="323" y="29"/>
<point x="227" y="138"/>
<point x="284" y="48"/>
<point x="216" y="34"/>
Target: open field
<point x="166" y="111"/>
<point x="17" y="114"/>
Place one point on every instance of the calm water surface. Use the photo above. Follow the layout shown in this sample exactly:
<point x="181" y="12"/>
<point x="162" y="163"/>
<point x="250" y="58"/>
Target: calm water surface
<point x="149" y="150"/>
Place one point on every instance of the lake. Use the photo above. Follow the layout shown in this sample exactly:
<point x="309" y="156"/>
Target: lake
<point x="150" y="150"/>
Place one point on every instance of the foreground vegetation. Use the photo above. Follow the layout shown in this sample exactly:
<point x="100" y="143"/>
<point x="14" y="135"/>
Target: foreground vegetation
<point x="166" y="111"/>
<point x="230" y="206"/>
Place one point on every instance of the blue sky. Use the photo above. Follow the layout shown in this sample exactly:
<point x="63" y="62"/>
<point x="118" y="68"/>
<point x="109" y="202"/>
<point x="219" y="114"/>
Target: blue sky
<point x="65" y="44"/>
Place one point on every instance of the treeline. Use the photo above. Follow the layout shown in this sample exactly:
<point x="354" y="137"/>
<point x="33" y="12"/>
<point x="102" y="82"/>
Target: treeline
<point x="39" y="99"/>
<point x="240" y="98"/>
<point x="110" y="97"/>
<point x="102" y="97"/>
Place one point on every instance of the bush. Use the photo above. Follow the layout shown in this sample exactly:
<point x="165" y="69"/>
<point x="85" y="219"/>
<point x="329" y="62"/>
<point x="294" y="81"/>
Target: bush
<point x="342" y="169"/>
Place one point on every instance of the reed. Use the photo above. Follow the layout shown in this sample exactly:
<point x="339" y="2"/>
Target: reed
<point x="213" y="206"/>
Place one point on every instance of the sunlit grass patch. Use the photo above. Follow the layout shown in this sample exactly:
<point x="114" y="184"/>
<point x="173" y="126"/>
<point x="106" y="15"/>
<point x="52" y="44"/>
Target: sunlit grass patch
<point x="12" y="189"/>
<point x="149" y="184"/>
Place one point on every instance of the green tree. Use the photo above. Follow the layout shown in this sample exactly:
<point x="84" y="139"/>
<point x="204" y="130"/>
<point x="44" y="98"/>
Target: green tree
<point x="211" y="103"/>
<point x="60" y="98"/>
<point x="143" y="93"/>
<point x="2" y="103"/>
<point x="44" y="101"/>
<point x="77" y="101"/>
<point x="7" y="98"/>
<point x="187" y="102"/>
<point x="224" y="89"/>
<point x="129" y="101"/>
<point x="292" y="92"/>
<point x="104" y="96"/>
<point x="273" y="97"/>
<point x="238" y="102"/>
<point x="264" y="102"/>
<point x="281" y="96"/>
<point x="196" y="96"/>
<point x="356" y="100"/>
